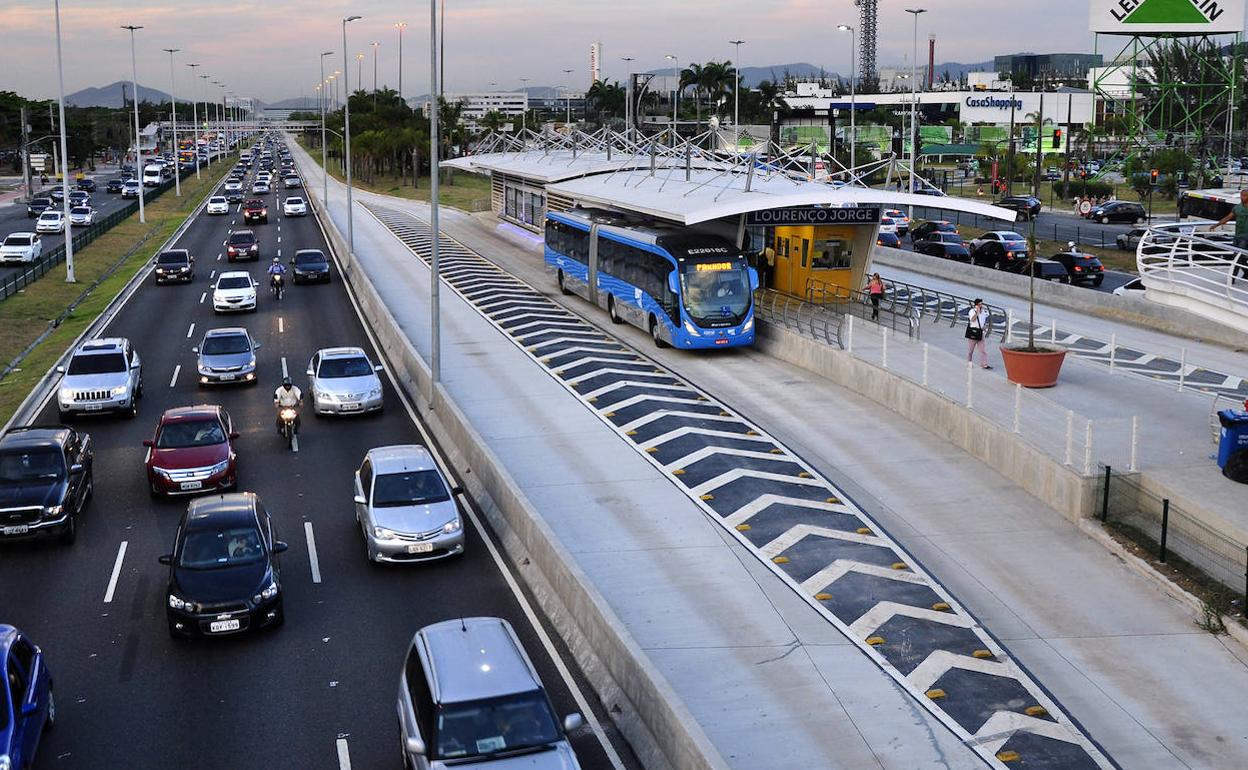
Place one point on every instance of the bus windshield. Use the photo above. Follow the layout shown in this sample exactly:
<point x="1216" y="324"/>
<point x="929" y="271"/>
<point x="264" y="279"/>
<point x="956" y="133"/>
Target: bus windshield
<point x="716" y="293"/>
<point x="1207" y="204"/>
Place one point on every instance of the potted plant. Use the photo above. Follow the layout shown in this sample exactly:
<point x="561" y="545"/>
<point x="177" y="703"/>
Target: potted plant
<point x="1032" y="365"/>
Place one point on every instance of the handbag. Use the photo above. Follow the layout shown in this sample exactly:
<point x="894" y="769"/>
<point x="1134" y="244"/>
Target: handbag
<point x="974" y="333"/>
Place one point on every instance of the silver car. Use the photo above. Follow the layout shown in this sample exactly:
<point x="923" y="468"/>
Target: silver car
<point x="405" y="508"/>
<point x="227" y="355"/>
<point x="491" y="708"/>
<point x="343" y="381"/>
<point x="103" y="375"/>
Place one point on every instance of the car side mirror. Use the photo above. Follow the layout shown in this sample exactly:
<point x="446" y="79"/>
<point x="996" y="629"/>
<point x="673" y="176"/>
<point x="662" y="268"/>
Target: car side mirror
<point x="379" y="369"/>
<point x="75" y="468"/>
<point x="457" y="490"/>
<point x="280" y="547"/>
<point x="235" y="435"/>
<point x="359" y="500"/>
<point x="30" y="708"/>
<point x="60" y="370"/>
<point x="572" y="722"/>
<point x="414" y="746"/>
<point x="166" y="559"/>
<point x="309" y="372"/>
<point x="148" y="442"/>
<point x="256" y="345"/>
<point x="195" y="349"/>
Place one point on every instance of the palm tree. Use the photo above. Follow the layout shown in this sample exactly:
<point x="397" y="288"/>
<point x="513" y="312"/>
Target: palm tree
<point x="493" y="121"/>
<point x="607" y="97"/>
<point x="694" y="75"/>
<point x="720" y="77"/>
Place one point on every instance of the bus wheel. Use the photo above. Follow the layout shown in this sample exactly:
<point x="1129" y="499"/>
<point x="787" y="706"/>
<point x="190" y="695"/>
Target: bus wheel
<point x="654" y="333"/>
<point x="562" y="289"/>
<point x="614" y="316"/>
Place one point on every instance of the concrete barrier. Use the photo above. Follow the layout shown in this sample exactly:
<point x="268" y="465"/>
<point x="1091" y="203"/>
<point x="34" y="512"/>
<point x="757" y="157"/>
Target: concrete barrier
<point x="649" y="714"/>
<point x="1127" y="309"/>
<point x="1059" y="487"/>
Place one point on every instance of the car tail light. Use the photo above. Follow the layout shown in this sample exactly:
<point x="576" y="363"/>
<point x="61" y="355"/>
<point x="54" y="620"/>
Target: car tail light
<point x="1078" y="269"/>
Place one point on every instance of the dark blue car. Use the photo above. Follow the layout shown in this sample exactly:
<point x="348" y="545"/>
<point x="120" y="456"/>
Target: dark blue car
<point x="26" y="706"/>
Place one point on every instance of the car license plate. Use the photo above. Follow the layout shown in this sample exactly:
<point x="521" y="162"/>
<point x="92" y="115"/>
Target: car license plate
<point x="226" y="377"/>
<point x="350" y="407"/>
<point x="20" y="529"/>
<point x="218" y="626"/>
<point x="188" y="485"/>
<point x="94" y="407"/>
<point x="420" y="548"/>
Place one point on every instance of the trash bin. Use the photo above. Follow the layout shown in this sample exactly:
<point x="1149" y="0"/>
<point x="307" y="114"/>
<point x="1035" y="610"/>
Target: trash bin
<point x="1233" y="443"/>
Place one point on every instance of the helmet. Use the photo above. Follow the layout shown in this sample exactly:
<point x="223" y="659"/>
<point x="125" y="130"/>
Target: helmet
<point x="286" y="383"/>
<point x="276" y="260"/>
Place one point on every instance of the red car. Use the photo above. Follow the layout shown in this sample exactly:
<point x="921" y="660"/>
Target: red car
<point x="254" y="210"/>
<point x="192" y="452"/>
<point x="242" y="245"/>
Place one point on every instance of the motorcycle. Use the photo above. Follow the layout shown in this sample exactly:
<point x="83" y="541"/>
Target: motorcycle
<point x="277" y="285"/>
<point x="289" y="417"/>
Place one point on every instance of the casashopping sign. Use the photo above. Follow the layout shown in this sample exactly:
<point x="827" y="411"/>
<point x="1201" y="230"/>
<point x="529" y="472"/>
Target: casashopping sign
<point x="994" y="101"/>
<point x="1154" y="17"/>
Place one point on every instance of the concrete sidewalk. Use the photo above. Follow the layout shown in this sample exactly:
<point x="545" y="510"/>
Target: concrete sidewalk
<point x="768" y="680"/>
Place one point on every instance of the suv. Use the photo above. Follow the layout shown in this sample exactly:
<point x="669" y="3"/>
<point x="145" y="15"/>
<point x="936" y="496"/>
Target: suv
<point x="1082" y="268"/>
<point x="26" y="704"/>
<point x="175" y="265"/>
<point x="21" y="247"/>
<point x="242" y="245"/>
<point x="468" y="692"/>
<point x="1025" y="206"/>
<point x="103" y="375"/>
<point x="37" y="206"/>
<point x="45" y="474"/>
<point x="254" y="210"/>
<point x="1118" y="211"/>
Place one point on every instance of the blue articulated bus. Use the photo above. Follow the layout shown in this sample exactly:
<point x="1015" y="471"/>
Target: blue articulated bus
<point x="687" y="289"/>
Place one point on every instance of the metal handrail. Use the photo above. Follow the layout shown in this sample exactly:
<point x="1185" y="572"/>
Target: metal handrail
<point x="1174" y="257"/>
<point x="806" y="318"/>
<point x="940" y="305"/>
<point x="858" y="303"/>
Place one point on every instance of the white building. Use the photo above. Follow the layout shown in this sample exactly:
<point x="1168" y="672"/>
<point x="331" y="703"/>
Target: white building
<point x="595" y="62"/>
<point x="476" y="105"/>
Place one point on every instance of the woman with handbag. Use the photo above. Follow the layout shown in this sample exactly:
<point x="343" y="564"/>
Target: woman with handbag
<point x="875" y="289"/>
<point x="976" y="329"/>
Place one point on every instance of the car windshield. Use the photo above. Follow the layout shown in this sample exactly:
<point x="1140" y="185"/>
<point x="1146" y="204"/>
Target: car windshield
<point x="355" y="366"/>
<point x="242" y="239"/>
<point x="80" y="210"/>
<point x="225" y="344"/>
<point x="234" y="282"/>
<point x="716" y="290"/>
<point x="1011" y="237"/>
<point x="493" y="726"/>
<point x="310" y="258"/>
<point x="97" y="363"/>
<point x="190" y="433"/>
<point x="217" y="199"/>
<point x="172" y="258"/>
<point x="217" y="548"/>
<point x="27" y="464"/>
<point x="50" y="215"/>
<point x="409" y="488"/>
<point x="18" y="240"/>
<point x="295" y="201"/>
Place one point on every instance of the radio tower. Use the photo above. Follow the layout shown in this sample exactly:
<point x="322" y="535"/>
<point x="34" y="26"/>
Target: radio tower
<point x="866" y="45"/>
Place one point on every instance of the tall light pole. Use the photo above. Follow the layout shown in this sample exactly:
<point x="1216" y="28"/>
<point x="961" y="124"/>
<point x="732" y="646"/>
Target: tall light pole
<point x="138" y="139"/>
<point x="675" y="91"/>
<point x="736" y="95"/>
<point x="375" y="46"/>
<point x="195" y="121"/>
<point x="524" y="117"/>
<point x="853" y="107"/>
<point x="914" y="100"/>
<point x="60" y="83"/>
<point x="173" y="107"/>
<point x="324" y="163"/>
<point x="400" y="26"/>
<point x="346" y="134"/>
<point x="207" y="101"/>
<point x="628" y="96"/>
<point x="435" y="275"/>
<point x="359" y="70"/>
<point x="568" y="98"/>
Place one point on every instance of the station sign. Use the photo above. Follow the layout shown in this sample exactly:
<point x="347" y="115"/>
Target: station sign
<point x="1146" y="18"/>
<point x="814" y="215"/>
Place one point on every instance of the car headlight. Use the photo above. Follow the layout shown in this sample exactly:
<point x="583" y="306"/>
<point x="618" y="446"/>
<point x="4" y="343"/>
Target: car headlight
<point x="452" y="526"/>
<point x="178" y="603"/>
<point x="374" y="392"/>
<point x="381" y="533"/>
<point x="52" y="511"/>
<point x="5" y="763"/>
<point x="693" y="331"/>
<point x="268" y="593"/>
<point x="121" y="390"/>
<point x="164" y="474"/>
<point x="328" y="398"/>
<point x="220" y="467"/>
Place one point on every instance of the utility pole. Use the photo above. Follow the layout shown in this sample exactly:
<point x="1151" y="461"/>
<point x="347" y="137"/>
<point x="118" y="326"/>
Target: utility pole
<point x="27" y="181"/>
<point x="375" y="45"/>
<point x="173" y="119"/>
<point x="400" y="26"/>
<point x="60" y="85"/>
<point x="138" y="137"/>
<point x="435" y="275"/>
<point x="914" y="100"/>
<point x="195" y="120"/>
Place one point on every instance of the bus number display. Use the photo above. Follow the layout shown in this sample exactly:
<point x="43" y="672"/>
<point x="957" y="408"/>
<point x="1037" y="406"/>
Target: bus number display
<point x="708" y="267"/>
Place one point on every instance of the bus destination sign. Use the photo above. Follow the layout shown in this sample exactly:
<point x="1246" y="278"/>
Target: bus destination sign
<point x="813" y="215"/>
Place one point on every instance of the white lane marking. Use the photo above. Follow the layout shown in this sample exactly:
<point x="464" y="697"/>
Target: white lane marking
<point x="218" y="256"/>
<point x="313" y="561"/>
<point x="213" y="274"/>
<point x="279" y="251"/>
<point x="285" y="373"/>
<point x="190" y="331"/>
<point x="203" y="296"/>
<point x="294" y="443"/>
<point x="174" y="379"/>
<point x="344" y="756"/>
<point x="279" y="239"/>
<point x="112" y="581"/>
<point x="281" y="325"/>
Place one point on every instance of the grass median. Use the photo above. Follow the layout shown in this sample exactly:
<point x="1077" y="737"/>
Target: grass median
<point x="27" y="314"/>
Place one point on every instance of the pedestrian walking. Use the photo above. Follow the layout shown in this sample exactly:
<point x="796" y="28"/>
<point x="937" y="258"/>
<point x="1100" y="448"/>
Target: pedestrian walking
<point x="1240" y="215"/>
<point x="875" y="289"/>
<point x="976" y="330"/>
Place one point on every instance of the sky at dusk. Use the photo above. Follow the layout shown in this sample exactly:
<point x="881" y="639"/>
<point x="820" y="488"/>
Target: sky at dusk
<point x="270" y="49"/>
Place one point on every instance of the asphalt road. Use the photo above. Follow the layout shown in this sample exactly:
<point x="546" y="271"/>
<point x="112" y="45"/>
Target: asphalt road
<point x="294" y="697"/>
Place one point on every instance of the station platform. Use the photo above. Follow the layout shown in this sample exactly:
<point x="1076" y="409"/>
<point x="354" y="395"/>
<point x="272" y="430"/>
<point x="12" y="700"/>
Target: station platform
<point x="769" y="680"/>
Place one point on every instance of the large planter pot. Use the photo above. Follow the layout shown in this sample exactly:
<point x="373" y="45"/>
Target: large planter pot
<point x="1032" y="368"/>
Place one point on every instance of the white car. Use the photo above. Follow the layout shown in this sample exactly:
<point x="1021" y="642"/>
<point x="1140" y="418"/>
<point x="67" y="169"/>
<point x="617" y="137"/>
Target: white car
<point x="901" y="222"/>
<point x="260" y="188"/>
<point x="1135" y="284"/>
<point x="217" y="204"/>
<point x="234" y="290"/>
<point x="50" y="222"/>
<point x="81" y="216"/>
<point x="21" y="247"/>
<point x="294" y="207"/>
<point x="888" y="225"/>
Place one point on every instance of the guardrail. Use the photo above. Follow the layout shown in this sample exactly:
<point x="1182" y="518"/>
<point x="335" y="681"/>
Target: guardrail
<point x="857" y="303"/>
<point x="939" y="306"/>
<point x="805" y="318"/>
<point x="1174" y="258"/>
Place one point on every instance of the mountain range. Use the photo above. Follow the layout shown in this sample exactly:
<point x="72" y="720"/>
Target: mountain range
<point x="110" y="95"/>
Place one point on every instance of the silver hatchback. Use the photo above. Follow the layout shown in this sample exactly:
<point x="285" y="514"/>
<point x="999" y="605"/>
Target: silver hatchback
<point x="405" y="507"/>
<point x="343" y="381"/>
<point x="227" y="356"/>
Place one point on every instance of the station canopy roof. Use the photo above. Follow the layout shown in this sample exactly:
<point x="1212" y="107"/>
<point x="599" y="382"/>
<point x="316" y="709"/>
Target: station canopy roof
<point x="685" y="183"/>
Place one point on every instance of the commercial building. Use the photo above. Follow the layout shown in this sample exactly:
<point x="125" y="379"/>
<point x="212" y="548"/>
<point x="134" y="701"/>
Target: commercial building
<point x="1057" y="66"/>
<point x="476" y="105"/>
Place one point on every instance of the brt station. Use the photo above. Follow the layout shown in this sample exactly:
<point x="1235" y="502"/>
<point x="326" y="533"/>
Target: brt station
<point x="816" y="231"/>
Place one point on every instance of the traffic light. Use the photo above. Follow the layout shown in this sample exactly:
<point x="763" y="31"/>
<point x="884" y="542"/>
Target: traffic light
<point x="1057" y="137"/>
<point x="1152" y="176"/>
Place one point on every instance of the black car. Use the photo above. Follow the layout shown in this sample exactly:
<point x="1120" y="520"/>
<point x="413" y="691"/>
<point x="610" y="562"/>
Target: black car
<point x="45" y="481"/>
<point x="1048" y="270"/>
<point x="224" y="576"/>
<point x="114" y="185"/>
<point x="310" y="265"/>
<point x="954" y="250"/>
<point x="86" y="184"/>
<point x="1118" y="211"/>
<point x="234" y="196"/>
<point x="174" y="265"/>
<point x="1000" y="249"/>
<point x="888" y="239"/>
<point x="57" y="194"/>
<point x="1025" y="206"/>
<point x="924" y="229"/>
<point x="1080" y="267"/>
<point x="37" y="206"/>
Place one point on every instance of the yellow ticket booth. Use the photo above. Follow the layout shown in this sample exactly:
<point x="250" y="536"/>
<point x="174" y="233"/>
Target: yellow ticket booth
<point x="818" y="251"/>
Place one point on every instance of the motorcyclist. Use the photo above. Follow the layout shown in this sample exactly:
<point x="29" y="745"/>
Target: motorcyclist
<point x="287" y="396"/>
<point x="277" y="271"/>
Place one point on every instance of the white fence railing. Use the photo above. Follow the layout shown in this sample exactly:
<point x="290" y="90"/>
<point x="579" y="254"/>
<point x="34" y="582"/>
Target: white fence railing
<point x="1186" y="258"/>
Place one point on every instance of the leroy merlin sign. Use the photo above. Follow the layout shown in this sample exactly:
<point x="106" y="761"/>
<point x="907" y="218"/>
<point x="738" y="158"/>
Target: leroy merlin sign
<point x="1148" y="17"/>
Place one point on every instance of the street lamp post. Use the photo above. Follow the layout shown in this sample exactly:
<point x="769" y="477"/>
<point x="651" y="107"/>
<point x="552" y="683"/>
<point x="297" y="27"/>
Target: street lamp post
<point x="524" y="111"/>
<point x="853" y="107"/>
<point x="138" y="139"/>
<point x="675" y="91"/>
<point x="375" y="46"/>
<point x="359" y="71"/>
<point x="60" y="83"/>
<point x="195" y="122"/>
<point x="324" y="163"/>
<point x="435" y="275"/>
<point x="736" y="94"/>
<point x="628" y="96"/>
<point x="173" y="106"/>
<point x="567" y="95"/>
<point x="346" y="133"/>
<point x="914" y="99"/>
<point x="400" y="26"/>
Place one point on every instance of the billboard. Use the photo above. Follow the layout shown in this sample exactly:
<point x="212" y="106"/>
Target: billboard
<point x="1172" y="17"/>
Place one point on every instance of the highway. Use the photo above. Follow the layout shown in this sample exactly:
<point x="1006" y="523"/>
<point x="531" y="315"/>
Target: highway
<point x="318" y="692"/>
